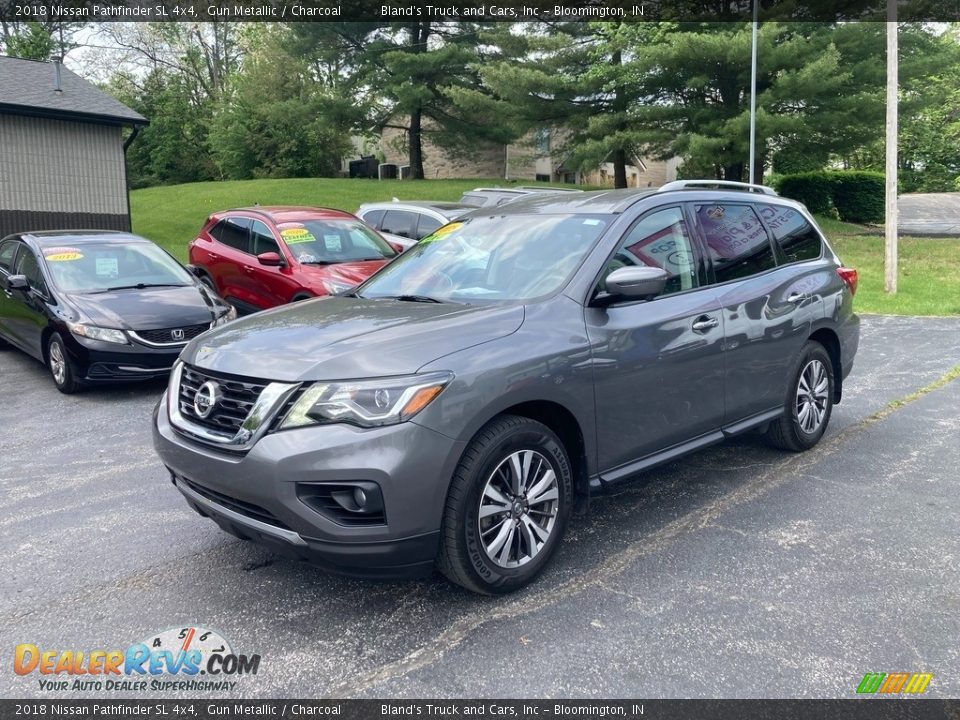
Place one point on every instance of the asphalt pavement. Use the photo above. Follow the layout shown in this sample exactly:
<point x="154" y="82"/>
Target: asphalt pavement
<point x="740" y="571"/>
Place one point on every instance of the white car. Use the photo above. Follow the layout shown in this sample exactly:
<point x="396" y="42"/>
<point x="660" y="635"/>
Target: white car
<point x="406" y="223"/>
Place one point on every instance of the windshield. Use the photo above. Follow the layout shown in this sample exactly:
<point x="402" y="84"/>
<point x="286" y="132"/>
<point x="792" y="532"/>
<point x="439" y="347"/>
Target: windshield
<point x="514" y="257"/>
<point x="97" y="267"/>
<point x="323" y="242"/>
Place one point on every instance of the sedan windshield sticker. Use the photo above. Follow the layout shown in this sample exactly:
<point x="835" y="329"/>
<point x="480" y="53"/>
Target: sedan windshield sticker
<point x="442" y="232"/>
<point x="108" y="267"/>
<point x="62" y="254"/>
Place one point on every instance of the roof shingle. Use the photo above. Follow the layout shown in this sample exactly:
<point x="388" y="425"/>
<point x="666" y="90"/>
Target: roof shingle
<point x="27" y="87"/>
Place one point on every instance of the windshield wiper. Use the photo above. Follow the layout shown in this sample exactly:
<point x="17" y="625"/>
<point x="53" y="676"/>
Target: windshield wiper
<point x="318" y="262"/>
<point x="141" y="286"/>
<point x="415" y="298"/>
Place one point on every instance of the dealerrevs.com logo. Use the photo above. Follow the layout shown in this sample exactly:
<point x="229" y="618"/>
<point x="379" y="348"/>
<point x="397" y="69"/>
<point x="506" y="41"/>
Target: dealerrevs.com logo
<point x="190" y="659"/>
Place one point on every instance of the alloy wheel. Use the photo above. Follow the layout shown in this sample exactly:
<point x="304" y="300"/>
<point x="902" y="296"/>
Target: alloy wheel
<point x="518" y="508"/>
<point x="58" y="363"/>
<point x="813" y="390"/>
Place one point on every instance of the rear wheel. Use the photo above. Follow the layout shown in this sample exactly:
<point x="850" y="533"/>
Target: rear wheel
<point x="809" y="402"/>
<point x="61" y="369"/>
<point x="507" y="506"/>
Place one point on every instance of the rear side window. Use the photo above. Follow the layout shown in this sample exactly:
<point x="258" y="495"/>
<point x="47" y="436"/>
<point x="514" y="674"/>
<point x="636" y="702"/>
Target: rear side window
<point x="234" y="232"/>
<point x="796" y="237"/>
<point x="736" y="240"/>
<point x="373" y="218"/>
<point x="427" y="225"/>
<point x="6" y="255"/>
<point x="399" y="222"/>
<point x="262" y="238"/>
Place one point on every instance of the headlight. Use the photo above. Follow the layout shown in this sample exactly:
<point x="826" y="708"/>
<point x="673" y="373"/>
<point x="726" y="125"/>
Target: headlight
<point x="333" y="287"/>
<point x="229" y="315"/>
<point x="367" y="403"/>
<point x="98" y="333"/>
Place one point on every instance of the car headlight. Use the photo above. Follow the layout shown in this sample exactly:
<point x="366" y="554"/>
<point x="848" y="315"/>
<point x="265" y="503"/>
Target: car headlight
<point x="93" y="332"/>
<point x="368" y="403"/>
<point x="334" y="287"/>
<point x="229" y="315"/>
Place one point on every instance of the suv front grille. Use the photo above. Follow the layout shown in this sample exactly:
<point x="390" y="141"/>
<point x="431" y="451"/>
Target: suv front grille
<point x="238" y="398"/>
<point x="164" y="336"/>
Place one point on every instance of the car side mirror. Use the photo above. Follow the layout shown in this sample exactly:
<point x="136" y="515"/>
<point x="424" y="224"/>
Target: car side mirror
<point x="18" y="282"/>
<point x="397" y="246"/>
<point x="194" y="270"/>
<point x="635" y="283"/>
<point x="270" y="259"/>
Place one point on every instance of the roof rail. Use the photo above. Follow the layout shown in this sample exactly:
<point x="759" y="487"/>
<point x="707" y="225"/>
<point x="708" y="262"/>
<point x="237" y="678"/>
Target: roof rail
<point x="719" y="184"/>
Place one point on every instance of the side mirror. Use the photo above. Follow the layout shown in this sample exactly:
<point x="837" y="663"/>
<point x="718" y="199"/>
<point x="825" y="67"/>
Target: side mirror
<point x="194" y="270"/>
<point x="270" y="259"/>
<point x="635" y="283"/>
<point x="397" y="246"/>
<point x="18" y="282"/>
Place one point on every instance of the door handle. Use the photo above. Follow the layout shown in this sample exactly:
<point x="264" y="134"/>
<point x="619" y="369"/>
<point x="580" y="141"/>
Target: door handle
<point x="704" y="323"/>
<point x="248" y="270"/>
<point x="796" y="297"/>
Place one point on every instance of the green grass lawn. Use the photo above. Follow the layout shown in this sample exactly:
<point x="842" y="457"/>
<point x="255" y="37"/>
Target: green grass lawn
<point x="929" y="281"/>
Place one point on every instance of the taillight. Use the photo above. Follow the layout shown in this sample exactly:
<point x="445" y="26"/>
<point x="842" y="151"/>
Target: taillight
<point x="849" y="276"/>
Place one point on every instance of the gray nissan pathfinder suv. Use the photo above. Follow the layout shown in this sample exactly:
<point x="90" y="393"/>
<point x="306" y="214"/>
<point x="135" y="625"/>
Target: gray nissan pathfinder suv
<point x="451" y="409"/>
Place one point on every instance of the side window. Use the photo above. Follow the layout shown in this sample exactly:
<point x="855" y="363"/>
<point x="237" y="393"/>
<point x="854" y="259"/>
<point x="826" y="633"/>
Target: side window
<point x="374" y="218"/>
<point x="262" y="238"/>
<point x="234" y="232"/>
<point x="400" y="222"/>
<point x="27" y="265"/>
<point x="6" y="255"/>
<point x="738" y="243"/>
<point x="661" y="239"/>
<point x="427" y="225"/>
<point x="797" y="238"/>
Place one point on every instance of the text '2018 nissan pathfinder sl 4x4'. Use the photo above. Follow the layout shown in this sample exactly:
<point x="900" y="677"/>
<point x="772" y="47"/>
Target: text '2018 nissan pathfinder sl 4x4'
<point x="449" y="410"/>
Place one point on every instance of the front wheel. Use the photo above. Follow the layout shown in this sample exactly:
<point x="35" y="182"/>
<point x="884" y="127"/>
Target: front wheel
<point x="507" y="507"/>
<point x="809" y="402"/>
<point x="61" y="369"/>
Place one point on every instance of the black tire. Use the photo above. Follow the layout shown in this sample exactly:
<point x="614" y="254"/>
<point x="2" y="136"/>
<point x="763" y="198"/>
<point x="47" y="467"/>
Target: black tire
<point x="61" y="368"/>
<point x="463" y="557"/>
<point x="794" y="431"/>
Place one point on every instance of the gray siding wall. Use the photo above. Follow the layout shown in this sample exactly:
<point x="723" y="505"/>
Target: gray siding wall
<point x="56" y="173"/>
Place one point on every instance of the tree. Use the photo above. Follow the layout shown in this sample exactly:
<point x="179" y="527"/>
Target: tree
<point x="39" y="39"/>
<point x="819" y="92"/>
<point x="276" y="119"/>
<point x="569" y="77"/>
<point x="412" y="73"/>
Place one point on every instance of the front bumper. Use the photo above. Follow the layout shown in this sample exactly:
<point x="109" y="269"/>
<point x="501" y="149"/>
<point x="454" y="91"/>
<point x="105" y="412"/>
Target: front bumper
<point x="99" y="362"/>
<point x="255" y="495"/>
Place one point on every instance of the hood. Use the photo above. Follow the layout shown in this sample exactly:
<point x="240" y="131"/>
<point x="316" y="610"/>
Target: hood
<point x="149" y="308"/>
<point x="351" y="273"/>
<point x="338" y="337"/>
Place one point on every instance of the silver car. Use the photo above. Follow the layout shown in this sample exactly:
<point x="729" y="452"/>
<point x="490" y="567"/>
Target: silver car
<point x="405" y="223"/>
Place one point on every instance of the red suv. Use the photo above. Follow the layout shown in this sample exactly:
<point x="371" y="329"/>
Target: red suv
<point x="257" y="258"/>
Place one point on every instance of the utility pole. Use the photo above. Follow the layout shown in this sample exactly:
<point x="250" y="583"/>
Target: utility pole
<point x="753" y="92"/>
<point x="890" y="226"/>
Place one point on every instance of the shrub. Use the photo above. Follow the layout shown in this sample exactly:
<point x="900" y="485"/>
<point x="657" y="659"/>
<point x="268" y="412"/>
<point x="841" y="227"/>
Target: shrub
<point x="854" y="196"/>
<point x="813" y="189"/>
<point x="859" y="196"/>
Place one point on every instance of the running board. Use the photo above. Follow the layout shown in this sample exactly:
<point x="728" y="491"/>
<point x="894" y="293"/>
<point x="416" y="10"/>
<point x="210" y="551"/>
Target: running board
<point x="628" y="471"/>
